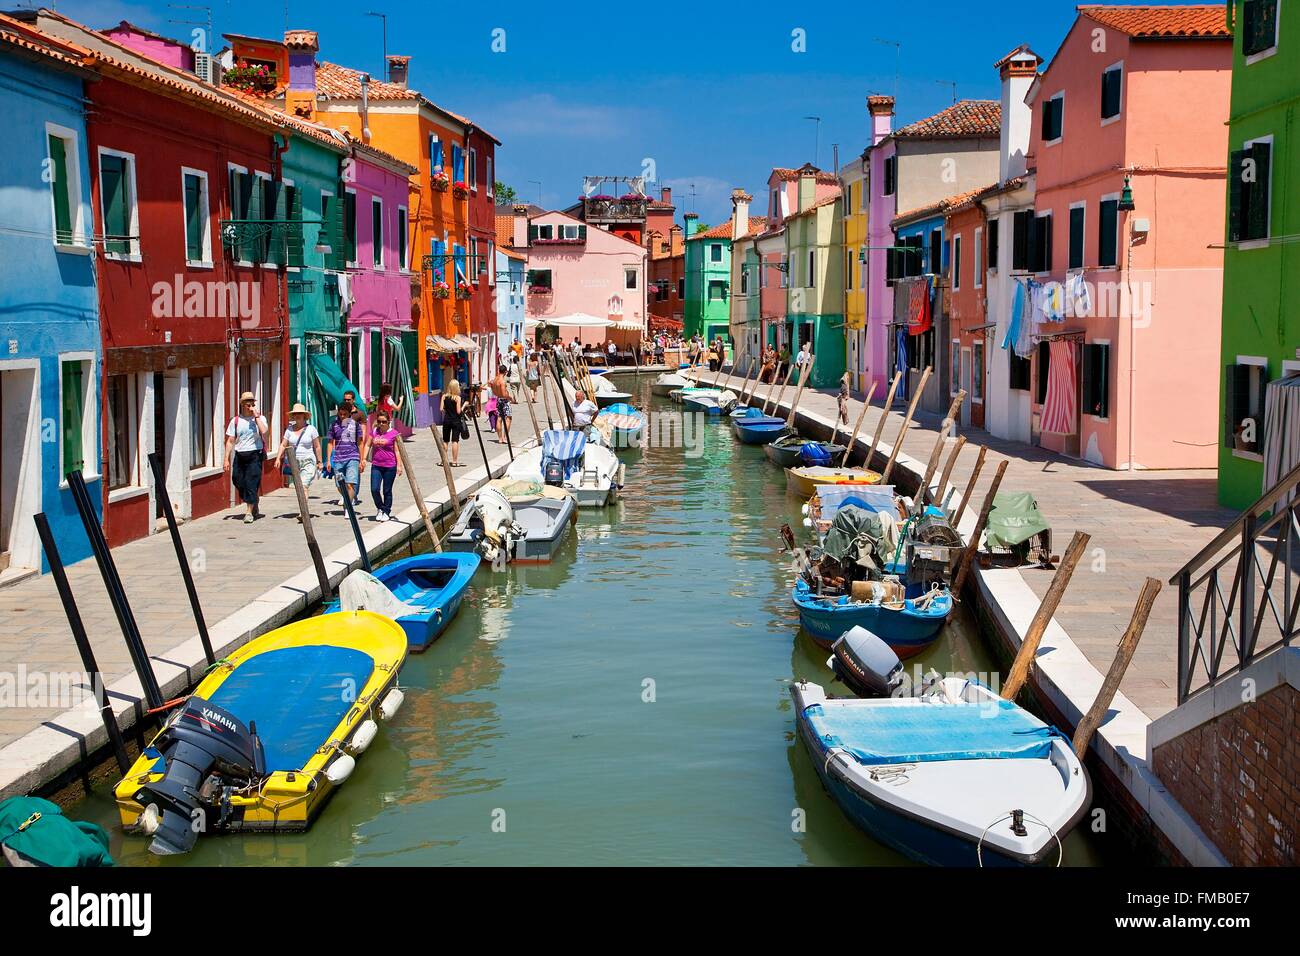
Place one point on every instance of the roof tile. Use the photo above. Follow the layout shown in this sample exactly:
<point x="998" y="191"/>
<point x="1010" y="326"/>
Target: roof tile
<point x="964" y="118"/>
<point x="1198" y="21"/>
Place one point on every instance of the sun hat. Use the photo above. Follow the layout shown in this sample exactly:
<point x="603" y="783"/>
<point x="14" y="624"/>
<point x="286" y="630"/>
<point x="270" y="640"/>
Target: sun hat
<point x="299" y="409"/>
<point x="247" y="397"/>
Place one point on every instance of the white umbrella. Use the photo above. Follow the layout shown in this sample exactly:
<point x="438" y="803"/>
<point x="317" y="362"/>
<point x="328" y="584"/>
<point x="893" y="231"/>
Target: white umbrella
<point x="581" y="320"/>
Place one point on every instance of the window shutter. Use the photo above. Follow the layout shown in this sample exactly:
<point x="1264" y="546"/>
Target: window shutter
<point x="582" y="233"/>
<point x="293" y="242"/>
<point x="1096" y="380"/>
<point x="332" y="226"/>
<point x="532" y="233"/>
<point x="193" y="218"/>
<point x="1044" y="365"/>
<point x="60" y="185"/>
<point x="257" y="247"/>
<point x="1076" y="237"/>
<point x="992" y="236"/>
<point x="349" y="224"/>
<point x="112" y="189"/>
<point x="73" y="399"/>
<point x="1020" y="239"/>
<point x="1110" y="89"/>
<point x="377" y="233"/>
<point x="1237" y="400"/>
<point x="1107" y="232"/>
<point x="376" y="360"/>
<point x="1257" y="208"/>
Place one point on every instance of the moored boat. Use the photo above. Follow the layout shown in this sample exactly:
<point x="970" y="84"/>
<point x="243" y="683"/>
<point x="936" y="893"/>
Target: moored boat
<point x="954" y="777"/>
<point x="502" y="534"/>
<point x="792" y="451"/>
<point x="269" y="734"/>
<point x="710" y="401"/>
<point x="421" y="593"/>
<point x="664" y="385"/>
<point x="908" y="622"/>
<point x="570" y="460"/>
<point x="621" y="425"/>
<point x="755" y="428"/>
<point x="802" y="481"/>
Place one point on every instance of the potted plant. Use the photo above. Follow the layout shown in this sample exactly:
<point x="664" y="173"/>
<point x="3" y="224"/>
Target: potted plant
<point x="464" y="290"/>
<point x="441" y="290"/>
<point x="459" y="189"/>
<point x="244" y="76"/>
<point x="440" y="180"/>
<point x="539" y="290"/>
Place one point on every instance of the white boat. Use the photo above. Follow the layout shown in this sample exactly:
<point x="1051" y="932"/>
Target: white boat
<point x="954" y="777"/>
<point x="667" y="382"/>
<point x="606" y="393"/>
<point x="503" y="533"/>
<point x="711" y="401"/>
<point x="587" y="469"/>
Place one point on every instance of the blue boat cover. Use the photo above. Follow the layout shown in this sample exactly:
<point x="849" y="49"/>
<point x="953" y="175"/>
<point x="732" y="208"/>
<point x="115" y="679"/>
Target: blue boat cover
<point x="814" y="453"/>
<point x="566" y="447"/>
<point x="296" y="696"/>
<point x="919" y="731"/>
<point x="619" y="408"/>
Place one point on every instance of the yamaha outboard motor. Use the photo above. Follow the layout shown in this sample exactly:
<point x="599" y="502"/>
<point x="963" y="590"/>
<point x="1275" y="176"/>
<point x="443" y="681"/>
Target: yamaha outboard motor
<point x="207" y="754"/>
<point x="553" y="472"/>
<point x="866" y="664"/>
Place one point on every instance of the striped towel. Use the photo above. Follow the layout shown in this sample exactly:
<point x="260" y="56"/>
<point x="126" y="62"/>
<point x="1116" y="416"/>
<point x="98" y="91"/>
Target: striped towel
<point x="1060" y="410"/>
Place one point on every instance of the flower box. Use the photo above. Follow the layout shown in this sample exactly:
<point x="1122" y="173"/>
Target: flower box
<point x="441" y="290"/>
<point x="459" y="190"/>
<point x="540" y="290"/>
<point x="440" y="181"/>
<point x="464" y="290"/>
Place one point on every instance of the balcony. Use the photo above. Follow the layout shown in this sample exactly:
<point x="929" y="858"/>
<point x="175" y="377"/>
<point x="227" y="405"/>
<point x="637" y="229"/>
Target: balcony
<point x="629" y="208"/>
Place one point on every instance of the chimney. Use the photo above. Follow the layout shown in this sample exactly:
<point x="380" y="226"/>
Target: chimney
<point x="740" y="201"/>
<point x="807" y="186"/>
<point x="666" y="194"/>
<point x="692" y="224"/>
<point x="881" y="109"/>
<point x="398" y="66"/>
<point x="675" y="240"/>
<point x="300" y="95"/>
<point x="519" y="234"/>
<point x="1018" y="70"/>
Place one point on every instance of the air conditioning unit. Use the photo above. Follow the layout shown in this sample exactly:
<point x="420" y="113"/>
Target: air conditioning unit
<point x="205" y="68"/>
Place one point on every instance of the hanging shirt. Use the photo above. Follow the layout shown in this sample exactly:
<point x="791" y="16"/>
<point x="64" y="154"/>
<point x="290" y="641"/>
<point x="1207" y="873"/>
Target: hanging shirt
<point x="1078" y="297"/>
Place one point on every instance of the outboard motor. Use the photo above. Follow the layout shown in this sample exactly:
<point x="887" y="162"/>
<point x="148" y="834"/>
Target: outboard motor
<point x="866" y="664"/>
<point x="553" y="473"/>
<point x="208" y="754"/>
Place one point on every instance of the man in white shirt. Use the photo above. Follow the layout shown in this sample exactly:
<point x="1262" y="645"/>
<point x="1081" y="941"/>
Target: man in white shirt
<point x="584" y="410"/>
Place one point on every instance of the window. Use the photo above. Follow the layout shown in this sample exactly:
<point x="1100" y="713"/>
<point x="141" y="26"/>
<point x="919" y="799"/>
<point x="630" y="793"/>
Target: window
<point x="202" y="413"/>
<point x="1077" y="215"/>
<point x="1258" y="27"/>
<point x="402" y="226"/>
<point x="457" y="163"/>
<point x="474" y="258"/>
<point x="269" y="247"/>
<point x="1040" y="244"/>
<point x="491" y="179"/>
<point x="350" y="226"/>
<point x="1108" y="232"/>
<point x="64" y="175"/>
<point x="473" y="169"/>
<point x="744" y="280"/>
<point x="1021" y="227"/>
<point x="571" y="232"/>
<point x="539" y="279"/>
<point x="117" y="197"/>
<point x="542" y="232"/>
<point x="435" y="154"/>
<point x="377" y="231"/>
<point x="717" y="291"/>
<point x="458" y="263"/>
<point x="848" y="269"/>
<point x="848" y="196"/>
<point x="1053" y="119"/>
<point x="1018" y="373"/>
<point x="1044" y="363"/>
<point x="123" y="420"/>
<point x="241" y="207"/>
<point x="993" y="245"/>
<point x="891" y="175"/>
<point x="977" y="371"/>
<point x="956" y="263"/>
<point x="1245" y="384"/>
<point x="681" y="288"/>
<point x="1249" y="190"/>
<point x="715" y="252"/>
<point x="1096" y="379"/>
<point x="1112" y="82"/>
<point x="812" y="268"/>
<point x="198" y="242"/>
<point x="629" y="278"/>
<point x="936" y="253"/>
<point x="977" y="255"/>
<point x="78" y="415"/>
<point x="954" y="367"/>
<point x="293" y="213"/>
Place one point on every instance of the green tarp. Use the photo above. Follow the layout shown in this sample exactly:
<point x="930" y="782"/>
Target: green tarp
<point x="1014" y="519"/>
<point x="38" y="834"/>
<point x="856" y="536"/>
<point x="331" y="383"/>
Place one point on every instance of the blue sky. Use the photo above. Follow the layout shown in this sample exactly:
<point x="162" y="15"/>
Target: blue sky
<point x="714" y="95"/>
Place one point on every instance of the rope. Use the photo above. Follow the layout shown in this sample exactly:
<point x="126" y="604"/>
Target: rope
<point x="1060" y="847"/>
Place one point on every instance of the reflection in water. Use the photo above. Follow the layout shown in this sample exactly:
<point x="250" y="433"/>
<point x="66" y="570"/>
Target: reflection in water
<point x="627" y="704"/>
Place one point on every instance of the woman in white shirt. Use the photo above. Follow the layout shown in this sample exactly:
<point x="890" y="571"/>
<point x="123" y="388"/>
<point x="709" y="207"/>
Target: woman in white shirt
<point x="245" y="452"/>
<point x="305" y="442"/>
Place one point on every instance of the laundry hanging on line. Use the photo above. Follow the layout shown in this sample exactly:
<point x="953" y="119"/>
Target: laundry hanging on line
<point x="1060" y="409"/>
<point x="919" y="311"/>
<point x="1018" y="337"/>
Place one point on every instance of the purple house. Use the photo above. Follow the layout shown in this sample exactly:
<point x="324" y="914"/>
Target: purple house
<point x="882" y="178"/>
<point x="377" y="290"/>
<point x="161" y="48"/>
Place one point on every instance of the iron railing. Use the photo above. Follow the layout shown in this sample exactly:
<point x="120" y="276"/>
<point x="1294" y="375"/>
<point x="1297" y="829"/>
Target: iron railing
<point x="1239" y="597"/>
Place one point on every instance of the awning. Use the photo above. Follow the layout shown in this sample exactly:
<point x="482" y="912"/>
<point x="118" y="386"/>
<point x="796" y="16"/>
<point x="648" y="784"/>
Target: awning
<point x="464" y="343"/>
<point x="333" y="382"/>
<point x="629" y="326"/>
<point x="438" y="343"/>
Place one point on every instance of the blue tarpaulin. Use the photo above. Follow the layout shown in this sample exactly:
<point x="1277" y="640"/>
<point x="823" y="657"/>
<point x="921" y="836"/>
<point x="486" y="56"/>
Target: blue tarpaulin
<point x="914" y="731"/>
<point x="565" y="447"/>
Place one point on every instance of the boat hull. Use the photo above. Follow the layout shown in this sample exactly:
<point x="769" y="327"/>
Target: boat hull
<point x="907" y="631"/>
<point x="437" y="605"/>
<point x="546" y="523"/>
<point x="606" y="399"/>
<point x="804" y="485"/>
<point x="790" y="455"/>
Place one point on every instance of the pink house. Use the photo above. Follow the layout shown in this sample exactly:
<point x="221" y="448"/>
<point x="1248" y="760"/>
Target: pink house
<point x="881" y="210"/>
<point x="380" y="285"/>
<point x="588" y="282"/>
<point x="1128" y="140"/>
<point x="160" y="48"/>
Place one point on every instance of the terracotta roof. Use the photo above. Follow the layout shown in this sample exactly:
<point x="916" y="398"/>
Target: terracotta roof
<point x="128" y="25"/>
<point x="790" y="175"/>
<point x="722" y="231"/>
<point x="505" y="231"/>
<point x="824" y="201"/>
<point x="948" y="204"/>
<point x="1021" y="52"/>
<point x="1199" y="21"/>
<point x="302" y="38"/>
<point x="964" y="118"/>
<point x="511" y="253"/>
<point x="344" y="83"/>
<point x="21" y="35"/>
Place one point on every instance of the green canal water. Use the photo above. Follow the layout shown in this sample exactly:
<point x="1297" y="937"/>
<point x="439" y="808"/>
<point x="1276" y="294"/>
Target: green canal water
<point x="626" y="704"/>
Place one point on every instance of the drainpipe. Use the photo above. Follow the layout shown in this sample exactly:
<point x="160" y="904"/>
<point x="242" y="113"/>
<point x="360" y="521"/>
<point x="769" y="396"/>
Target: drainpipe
<point x="365" y="108"/>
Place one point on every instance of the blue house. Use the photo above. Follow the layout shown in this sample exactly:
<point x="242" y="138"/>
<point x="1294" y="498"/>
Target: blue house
<point x="49" y="318"/>
<point x="922" y="234"/>
<point x="509" y="267"/>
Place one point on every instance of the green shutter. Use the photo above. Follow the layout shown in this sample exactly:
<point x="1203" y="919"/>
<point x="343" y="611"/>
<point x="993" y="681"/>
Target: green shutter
<point x="1076" y="237"/>
<point x="1258" y="192"/>
<point x="193" y="218"/>
<point x="349" y="222"/>
<point x="1107" y="232"/>
<point x="255" y="248"/>
<point x="376" y="361"/>
<point x="73" y="405"/>
<point x="332" y="211"/>
<point x="113" y="200"/>
<point x="582" y="233"/>
<point x="1236" y="165"/>
<point x="377" y="232"/>
<point x="293" y="240"/>
<point x="402" y="226"/>
<point x="411" y="346"/>
<point x="1044" y="364"/>
<point x="60" y="185"/>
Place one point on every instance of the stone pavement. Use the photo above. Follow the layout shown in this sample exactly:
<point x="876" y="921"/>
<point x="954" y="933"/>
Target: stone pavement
<point x="1143" y="523"/>
<point x="233" y="564"/>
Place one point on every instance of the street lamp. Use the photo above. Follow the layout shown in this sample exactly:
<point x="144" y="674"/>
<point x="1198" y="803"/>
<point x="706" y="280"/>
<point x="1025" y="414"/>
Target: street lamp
<point x="1126" y="196"/>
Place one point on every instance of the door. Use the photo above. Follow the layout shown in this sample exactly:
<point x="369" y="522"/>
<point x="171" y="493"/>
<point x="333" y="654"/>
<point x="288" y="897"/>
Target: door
<point x="20" y="450"/>
<point x="159" y="438"/>
<point x="966" y="384"/>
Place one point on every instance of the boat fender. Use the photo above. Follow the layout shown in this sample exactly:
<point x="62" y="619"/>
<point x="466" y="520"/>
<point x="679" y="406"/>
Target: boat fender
<point x="150" y="820"/>
<point x="807" y="507"/>
<point x="807" y="522"/>
<point x="340" y="769"/>
<point x="363" y="737"/>
<point x="391" y="703"/>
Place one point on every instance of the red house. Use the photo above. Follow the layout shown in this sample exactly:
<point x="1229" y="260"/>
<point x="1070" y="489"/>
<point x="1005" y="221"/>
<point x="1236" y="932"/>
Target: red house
<point x="480" y="175"/>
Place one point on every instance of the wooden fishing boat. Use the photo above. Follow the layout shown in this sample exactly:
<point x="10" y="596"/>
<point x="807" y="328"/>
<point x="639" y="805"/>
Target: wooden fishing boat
<point x="802" y="481"/>
<point x="955" y="777"/>
<point x="624" y="423"/>
<point x="270" y="733"/>
<point x="788" y="452"/>
<point x="710" y="401"/>
<point x="428" y="589"/>
<point x="755" y="428"/>
<point x="909" y="625"/>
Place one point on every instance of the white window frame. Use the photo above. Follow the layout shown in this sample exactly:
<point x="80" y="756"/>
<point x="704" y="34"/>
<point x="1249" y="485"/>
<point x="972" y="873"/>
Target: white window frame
<point x="138" y="437"/>
<point x="954" y="260"/>
<point x="206" y="261"/>
<point x="1083" y="264"/>
<point x="261" y="177"/>
<point x="491" y="173"/>
<point x="1107" y="120"/>
<point x="1268" y="226"/>
<point x="382" y="264"/>
<point x="630" y="271"/>
<point x="977" y="258"/>
<point x="1058" y="95"/>
<point x="404" y="227"/>
<point x="472" y="169"/>
<point x="1270" y="51"/>
<point x="76" y="210"/>
<point x="216" y="437"/>
<point x="89" y="416"/>
<point x="133" y="244"/>
<point x="1260" y="361"/>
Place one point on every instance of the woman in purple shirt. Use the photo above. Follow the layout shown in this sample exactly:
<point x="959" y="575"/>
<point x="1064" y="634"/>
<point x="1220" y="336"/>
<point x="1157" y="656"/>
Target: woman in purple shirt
<point x="385" y="467"/>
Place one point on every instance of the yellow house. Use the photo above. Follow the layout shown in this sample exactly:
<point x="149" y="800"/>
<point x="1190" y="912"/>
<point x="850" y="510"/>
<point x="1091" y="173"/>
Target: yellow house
<point x="853" y="184"/>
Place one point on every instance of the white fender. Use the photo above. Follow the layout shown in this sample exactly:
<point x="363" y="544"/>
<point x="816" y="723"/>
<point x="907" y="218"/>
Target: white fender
<point x="340" y="769"/>
<point x="391" y="703"/>
<point x="364" y="736"/>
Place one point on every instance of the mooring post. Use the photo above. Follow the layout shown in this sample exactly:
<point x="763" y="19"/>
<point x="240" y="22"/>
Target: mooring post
<point x="970" y="486"/>
<point x="417" y="494"/>
<point x="99" y="686"/>
<point x="304" y="512"/>
<point x="969" y="554"/>
<point x="880" y="423"/>
<point x="907" y="423"/>
<point x="160" y="489"/>
<point x="1019" y="672"/>
<point x="857" y="426"/>
<point x="356" y="526"/>
<point x="446" y="469"/>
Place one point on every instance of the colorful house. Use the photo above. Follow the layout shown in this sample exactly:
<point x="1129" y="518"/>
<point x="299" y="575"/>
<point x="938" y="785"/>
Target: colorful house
<point x="667" y="292"/>
<point x="480" y="170"/>
<point x="1261" y="329"/>
<point x="708" y="280"/>
<point x="855" y="186"/>
<point x="881" y="167"/>
<point x="1128" y="225"/>
<point x="50" y="364"/>
<point x="966" y="225"/>
<point x="745" y="311"/>
<point x="920" y="318"/>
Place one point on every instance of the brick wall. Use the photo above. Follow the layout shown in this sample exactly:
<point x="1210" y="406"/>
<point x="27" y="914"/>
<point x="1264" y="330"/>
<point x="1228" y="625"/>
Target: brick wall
<point x="1238" y="776"/>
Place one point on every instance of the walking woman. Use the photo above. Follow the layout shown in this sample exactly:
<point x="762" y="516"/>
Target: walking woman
<point x="245" y="452"/>
<point x="453" y="422"/>
<point x="304" y="440"/>
<point x="533" y="376"/>
<point x="385" y="466"/>
<point x="384" y="403"/>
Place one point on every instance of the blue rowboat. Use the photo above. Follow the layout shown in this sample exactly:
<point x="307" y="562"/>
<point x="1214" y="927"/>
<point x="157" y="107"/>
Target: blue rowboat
<point x="908" y="630"/>
<point x="626" y="424"/>
<point x="755" y="428"/>
<point x="434" y="585"/>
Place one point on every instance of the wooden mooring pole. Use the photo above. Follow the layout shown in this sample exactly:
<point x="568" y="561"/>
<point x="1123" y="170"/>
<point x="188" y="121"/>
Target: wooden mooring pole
<point x="933" y="464"/>
<point x="446" y="470"/>
<point x="973" y="546"/>
<point x="970" y="486"/>
<point x="804" y="374"/>
<point x="1019" y="672"/>
<point x="304" y="512"/>
<point x="907" y="423"/>
<point x="884" y="415"/>
<point x="857" y="426"/>
<point x="414" y="482"/>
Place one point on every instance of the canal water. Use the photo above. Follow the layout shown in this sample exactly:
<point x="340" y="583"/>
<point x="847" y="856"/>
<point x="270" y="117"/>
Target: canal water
<point x="626" y="704"/>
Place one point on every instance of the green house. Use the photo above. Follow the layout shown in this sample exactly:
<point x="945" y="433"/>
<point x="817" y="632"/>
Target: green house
<point x="815" y="290"/>
<point x="1261" y="261"/>
<point x="708" y="281"/>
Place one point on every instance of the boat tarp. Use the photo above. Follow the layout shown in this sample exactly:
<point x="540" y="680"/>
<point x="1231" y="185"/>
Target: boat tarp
<point x="362" y="591"/>
<point x="296" y="696"/>
<point x="1014" y="519"/>
<point x="333" y="381"/>
<point x="859" y="536"/>
<point x="918" y="731"/>
<point x="34" y="832"/>
<point x="566" y="447"/>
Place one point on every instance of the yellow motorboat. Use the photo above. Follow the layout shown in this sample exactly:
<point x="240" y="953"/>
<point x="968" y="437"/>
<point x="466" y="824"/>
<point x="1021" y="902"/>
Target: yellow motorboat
<point x="803" y="482"/>
<point x="269" y="734"/>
